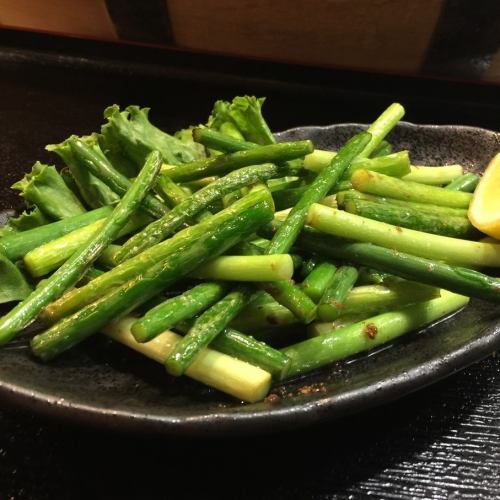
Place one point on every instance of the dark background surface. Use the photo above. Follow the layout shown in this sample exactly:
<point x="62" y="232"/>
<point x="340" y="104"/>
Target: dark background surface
<point x="443" y="442"/>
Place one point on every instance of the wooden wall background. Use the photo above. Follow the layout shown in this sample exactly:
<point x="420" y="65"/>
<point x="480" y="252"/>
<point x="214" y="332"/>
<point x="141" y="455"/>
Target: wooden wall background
<point x="449" y="38"/>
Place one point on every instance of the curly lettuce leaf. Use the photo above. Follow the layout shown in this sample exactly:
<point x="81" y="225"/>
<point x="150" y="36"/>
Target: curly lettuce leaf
<point x="242" y="119"/>
<point x="132" y="134"/>
<point x="13" y="285"/>
<point x="45" y="188"/>
<point x="110" y="146"/>
<point x="29" y="219"/>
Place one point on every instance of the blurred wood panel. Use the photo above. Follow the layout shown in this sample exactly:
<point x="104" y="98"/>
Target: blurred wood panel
<point x="72" y="17"/>
<point x="371" y="34"/>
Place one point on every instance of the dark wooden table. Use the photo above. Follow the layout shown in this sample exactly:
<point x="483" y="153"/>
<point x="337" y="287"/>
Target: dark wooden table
<point x="442" y="442"/>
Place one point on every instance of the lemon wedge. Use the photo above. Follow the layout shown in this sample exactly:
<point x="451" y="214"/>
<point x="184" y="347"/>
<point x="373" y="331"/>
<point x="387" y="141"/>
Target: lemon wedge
<point x="484" y="208"/>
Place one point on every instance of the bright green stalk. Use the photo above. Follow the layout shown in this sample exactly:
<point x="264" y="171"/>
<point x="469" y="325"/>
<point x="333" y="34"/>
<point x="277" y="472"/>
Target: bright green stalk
<point x="430" y="272"/>
<point x="378" y="130"/>
<point x="381" y="127"/>
<point x="71" y="271"/>
<point x="170" y="312"/>
<point x="174" y="195"/>
<point x="45" y="188"/>
<point x="318" y="189"/>
<point x="383" y="185"/>
<point x="225" y="373"/>
<point x="318" y="281"/>
<point x="293" y="298"/>
<point x="100" y="166"/>
<point x="352" y="194"/>
<point x="247" y="268"/>
<point x="220" y="142"/>
<point x="350" y="340"/>
<point x="45" y="258"/>
<point x="16" y="245"/>
<point x="261" y="313"/>
<point x="373" y="299"/>
<point x="264" y="312"/>
<point x="318" y="160"/>
<point x="334" y="298"/>
<point x="206" y="327"/>
<point x="323" y="328"/>
<point x="255" y="352"/>
<point x="222" y="164"/>
<point x="435" y="176"/>
<point x="171" y="193"/>
<point x="194" y="204"/>
<point x="466" y="183"/>
<point x="76" y="299"/>
<point x="383" y="149"/>
<point x="395" y="165"/>
<point x="446" y="225"/>
<point x="432" y="246"/>
<point x="152" y="281"/>
<point x="247" y="348"/>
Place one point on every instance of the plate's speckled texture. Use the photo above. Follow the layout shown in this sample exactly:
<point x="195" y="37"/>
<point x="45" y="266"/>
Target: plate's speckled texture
<point x="106" y="385"/>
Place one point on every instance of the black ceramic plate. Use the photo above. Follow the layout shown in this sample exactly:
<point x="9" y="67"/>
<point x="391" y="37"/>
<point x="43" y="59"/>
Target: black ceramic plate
<point x="106" y="385"/>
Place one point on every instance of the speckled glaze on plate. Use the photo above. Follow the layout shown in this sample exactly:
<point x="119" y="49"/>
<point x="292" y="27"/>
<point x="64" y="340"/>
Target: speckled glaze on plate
<point x="107" y="386"/>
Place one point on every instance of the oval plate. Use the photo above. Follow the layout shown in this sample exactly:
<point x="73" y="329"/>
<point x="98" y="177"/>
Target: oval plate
<point x="106" y="385"/>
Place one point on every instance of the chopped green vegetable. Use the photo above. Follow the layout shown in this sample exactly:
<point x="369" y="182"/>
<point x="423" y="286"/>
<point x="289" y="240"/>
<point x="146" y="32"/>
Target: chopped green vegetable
<point x="318" y="280"/>
<point x="367" y="334"/>
<point x="226" y="373"/>
<point x="333" y="300"/>
<point x="16" y="245"/>
<point x="223" y="164"/>
<point x="383" y="185"/>
<point x="194" y="204"/>
<point x="206" y="328"/>
<point x="221" y="221"/>
<point x="432" y="246"/>
<point x="435" y="176"/>
<point x="420" y="220"/>
<point x="467" y="183"/>
<point x="154" y="279"/>
<point x="73" y="269"/>
<point x="166" y="315"/>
